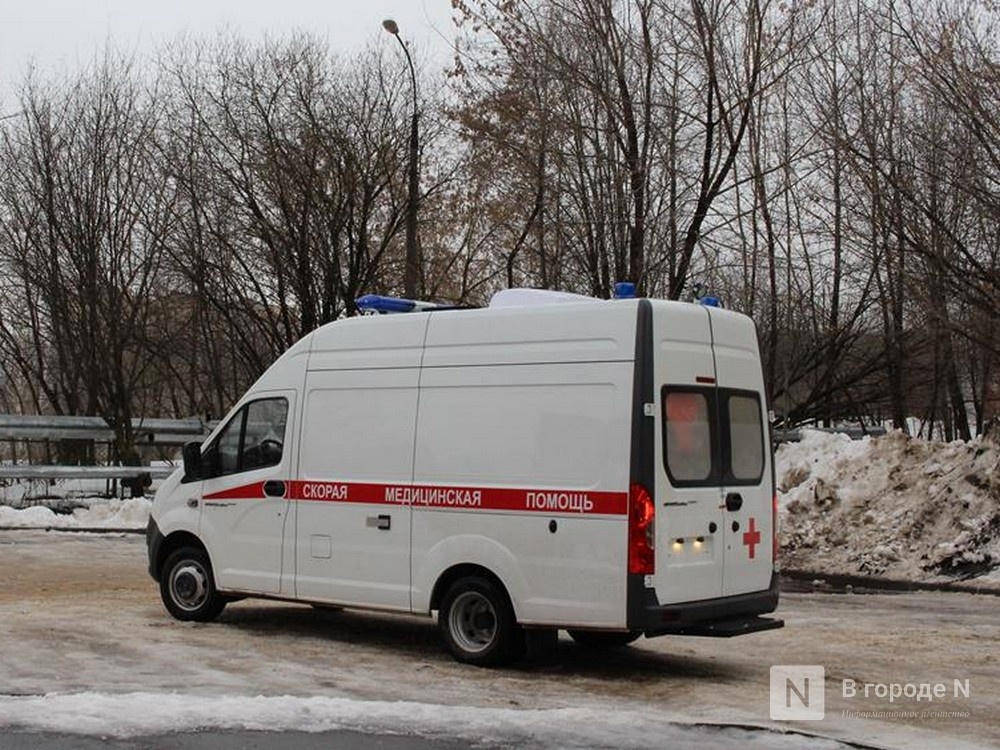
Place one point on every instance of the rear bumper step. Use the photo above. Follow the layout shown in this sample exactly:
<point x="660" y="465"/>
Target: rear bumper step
<point x="729" y="628"/>
<point x="723" y="617"/>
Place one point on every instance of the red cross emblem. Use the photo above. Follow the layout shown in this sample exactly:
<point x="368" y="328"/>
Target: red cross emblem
<point x="751" y="538"/>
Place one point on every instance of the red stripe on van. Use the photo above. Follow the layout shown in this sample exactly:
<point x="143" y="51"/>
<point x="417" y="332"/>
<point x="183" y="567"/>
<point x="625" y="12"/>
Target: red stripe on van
<point x="464" y="498"/>
<point x="253" y="491"/>
<point x="444" y="497"/>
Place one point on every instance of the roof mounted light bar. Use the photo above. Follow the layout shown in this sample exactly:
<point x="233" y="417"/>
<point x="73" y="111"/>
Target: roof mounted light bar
<point x="377" y="303"/>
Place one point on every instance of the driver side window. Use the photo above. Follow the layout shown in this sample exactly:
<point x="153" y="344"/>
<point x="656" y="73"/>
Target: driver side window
<point x="253" y="439"/>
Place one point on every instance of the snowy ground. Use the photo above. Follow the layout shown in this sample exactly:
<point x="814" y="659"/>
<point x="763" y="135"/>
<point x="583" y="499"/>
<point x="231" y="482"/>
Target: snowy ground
<point x="893" y="506"/>
<point x="141" y="714"/>
<point x="93" y="513"/>
<point x="86" y="646"/>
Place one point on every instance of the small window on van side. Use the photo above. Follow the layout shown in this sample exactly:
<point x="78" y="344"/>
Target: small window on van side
<point x="253" y="439"/>
<point x="688" y="435"/>
<point x="746" y="438"/>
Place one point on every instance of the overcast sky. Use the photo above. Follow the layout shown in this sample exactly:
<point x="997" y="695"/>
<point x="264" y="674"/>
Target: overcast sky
<point x="59" y="35"/>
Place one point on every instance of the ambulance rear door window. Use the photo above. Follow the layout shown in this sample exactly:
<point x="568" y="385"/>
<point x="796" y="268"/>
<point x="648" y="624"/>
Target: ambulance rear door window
<point x="689" y="436"/>
<point x="744" y="437"/>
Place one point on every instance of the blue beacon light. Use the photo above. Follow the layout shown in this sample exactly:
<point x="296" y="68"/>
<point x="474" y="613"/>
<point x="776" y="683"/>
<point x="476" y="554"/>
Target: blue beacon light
<point x="624" y="290"/>
<point x="382" y="304"/>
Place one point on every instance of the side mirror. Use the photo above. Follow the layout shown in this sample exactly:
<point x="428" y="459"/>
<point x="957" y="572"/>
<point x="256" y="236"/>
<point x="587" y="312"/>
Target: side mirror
<point x="193" y="465"/>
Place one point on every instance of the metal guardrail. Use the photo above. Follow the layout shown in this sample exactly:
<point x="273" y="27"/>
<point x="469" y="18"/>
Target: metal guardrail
<point x="147" y="431"/>
<point x="794" y="434"/>
<point x="35" y="471"/>
<point x="165" y="432"/>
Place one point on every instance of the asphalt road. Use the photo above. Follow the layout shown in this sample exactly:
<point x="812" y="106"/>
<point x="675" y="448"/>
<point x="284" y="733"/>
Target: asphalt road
<point x="80" y="614"/>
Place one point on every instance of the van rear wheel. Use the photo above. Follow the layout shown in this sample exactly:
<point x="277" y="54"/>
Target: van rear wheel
<point x="600" y="641"/>
<point x="188" y="588"/>
<point x="477" y="623"/>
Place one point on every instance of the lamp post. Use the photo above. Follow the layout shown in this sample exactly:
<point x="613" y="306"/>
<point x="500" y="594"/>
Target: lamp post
<point x="411" y="271"/>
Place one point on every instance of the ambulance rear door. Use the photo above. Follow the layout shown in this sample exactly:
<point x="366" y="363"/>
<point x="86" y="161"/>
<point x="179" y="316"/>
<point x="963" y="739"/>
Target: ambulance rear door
<point x="745" y="455"/>
<point x="690" y="552"/>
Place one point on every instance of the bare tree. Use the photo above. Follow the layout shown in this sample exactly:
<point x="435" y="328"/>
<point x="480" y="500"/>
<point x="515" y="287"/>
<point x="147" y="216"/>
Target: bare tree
<point x="82" y="233"/>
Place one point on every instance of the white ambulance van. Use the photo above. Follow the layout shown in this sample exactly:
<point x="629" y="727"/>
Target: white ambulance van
<point x="548" y="462"/>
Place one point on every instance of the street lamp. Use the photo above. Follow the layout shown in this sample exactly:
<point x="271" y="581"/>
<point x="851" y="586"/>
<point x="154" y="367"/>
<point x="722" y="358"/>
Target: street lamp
<point x="411" y="272"/>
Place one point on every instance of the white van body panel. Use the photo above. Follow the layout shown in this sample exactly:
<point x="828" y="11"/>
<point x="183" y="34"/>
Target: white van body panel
<point x="682" y="347"/>
<point x="738" y="367"/>
<point x="502" y="430"/>
<point x="369" y="343"/>
<point x="592" y="331"/>
<point x="455" y="546"/>
<point x="357" y="437"/>
<point x="498" y="400"/>
<point x="242" y="529"/>
<point x="178" y="515"/>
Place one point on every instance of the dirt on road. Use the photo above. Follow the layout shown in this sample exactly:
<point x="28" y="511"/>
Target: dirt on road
<point x="79" y="612"/>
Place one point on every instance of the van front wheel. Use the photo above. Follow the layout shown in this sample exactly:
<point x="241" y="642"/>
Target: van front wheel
<point x="477" y="623"/>
<point x="187" y="587"/>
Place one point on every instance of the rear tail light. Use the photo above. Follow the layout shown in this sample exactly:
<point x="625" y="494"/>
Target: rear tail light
<point x="641" y="531"/>
<point x="774" y="532"/>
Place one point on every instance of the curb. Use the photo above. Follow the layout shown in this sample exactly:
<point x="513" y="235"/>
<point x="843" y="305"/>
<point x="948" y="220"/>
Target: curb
<point x="838" y="583"/>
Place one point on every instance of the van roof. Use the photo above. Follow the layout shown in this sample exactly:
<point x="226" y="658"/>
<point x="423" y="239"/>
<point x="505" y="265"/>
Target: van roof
<point x="522" y="329"/>
<point x="521" y="297"/>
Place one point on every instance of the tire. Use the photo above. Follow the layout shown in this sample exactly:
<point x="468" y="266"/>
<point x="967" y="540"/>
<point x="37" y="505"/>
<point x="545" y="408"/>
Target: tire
<point x="603" y="641"/>
<point x="477" y="623"/>
<point x="187" y="586"/>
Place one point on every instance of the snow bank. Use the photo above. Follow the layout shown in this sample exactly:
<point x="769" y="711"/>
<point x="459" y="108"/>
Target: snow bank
<point x="138" y="714"/>
<point x="891" y="506"/>
<point x="115" y="514"/>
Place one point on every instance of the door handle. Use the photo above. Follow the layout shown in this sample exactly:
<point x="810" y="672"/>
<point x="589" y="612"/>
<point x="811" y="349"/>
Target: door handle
<point x="274" y="488"/>
<point x="734" y="501"/>
<point x="382" y="522"/>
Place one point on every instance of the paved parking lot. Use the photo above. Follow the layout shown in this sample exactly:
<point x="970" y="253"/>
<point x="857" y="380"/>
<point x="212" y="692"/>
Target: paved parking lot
<point x="81" y="614"/>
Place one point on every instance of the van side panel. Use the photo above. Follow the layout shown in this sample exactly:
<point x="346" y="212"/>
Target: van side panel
<point x="358" y="425"/>
<point x="369" y="342"/>
<point x="539" y="444"/>
<point x="589" y="332"/>
<point x="547" y="449"/>
<point x="357" y="440"/>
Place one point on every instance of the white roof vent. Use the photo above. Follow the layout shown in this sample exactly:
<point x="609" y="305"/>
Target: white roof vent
<point x="536" y="297"/>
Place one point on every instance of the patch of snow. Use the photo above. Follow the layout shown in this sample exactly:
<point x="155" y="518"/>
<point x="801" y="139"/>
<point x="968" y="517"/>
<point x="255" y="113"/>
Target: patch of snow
<point x="114" y="514"/>
<point x="890" y="506"/>
<point x="139" y="714"/>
